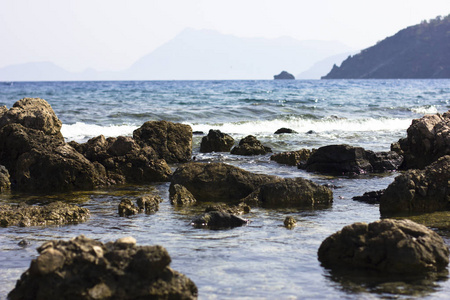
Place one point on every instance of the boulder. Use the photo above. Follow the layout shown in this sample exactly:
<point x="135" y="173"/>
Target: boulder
<point x="284" y="75"/>
<point x="348" y="160"/>
<point x="179" y="195"/>
<point x="55" y="213"/>
<point x="171" y="141"/>
<point x="218" y="220"/>
<point x="83" y="268"/>
<point x="5" y="183"/>
<point x="392" y="246"/>
<point x="428" y="139"/>
<point x="250" y="146"/>
<point x="419" y="190"/>
<point x="285" y="130"/>
<point x="218" y="182"/>
<point x="292" y="158"/>
<point x="216" y="141"/>
<point x="291" y="192"/>
<point x="237" y="209"/>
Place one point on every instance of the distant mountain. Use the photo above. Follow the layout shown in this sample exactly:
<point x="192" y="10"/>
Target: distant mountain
<point x="323" y="66"/>
<point x="34" y="71"/>
<point x="207" y="54"/>
<point x="420" y="51"/>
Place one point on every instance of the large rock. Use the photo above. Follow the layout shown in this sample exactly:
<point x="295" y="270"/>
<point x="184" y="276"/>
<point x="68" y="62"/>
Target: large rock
<point x="171" y="141"/>
<point x="292" y="158"/>
<point x="419" y="190"/>
<point x="216" y="141"/>
<point x="250" y="145"/>
<point x="83" y="268"/>
<point x="55" y="213"/>
<point x="428" y="138"/>
<point x="218" y="182"/>
<point x="394" y="246"/>
<point x="345" y="159"/>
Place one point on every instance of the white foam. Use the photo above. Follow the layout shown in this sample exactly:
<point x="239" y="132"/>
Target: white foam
<point x="81" y="132"/>
<point x="424" y="110"/>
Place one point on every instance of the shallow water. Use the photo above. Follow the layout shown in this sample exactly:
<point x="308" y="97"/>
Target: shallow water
<point x="263" y="259"/>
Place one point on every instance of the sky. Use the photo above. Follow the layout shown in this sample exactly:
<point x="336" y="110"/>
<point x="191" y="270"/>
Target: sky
<point x="110" y="35"/>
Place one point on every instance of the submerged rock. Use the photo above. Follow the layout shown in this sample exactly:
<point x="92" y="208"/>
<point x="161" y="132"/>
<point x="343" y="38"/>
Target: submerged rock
<point x="419" y="190"/>
<point x="218" y="220"/>
<point x="55" y="213"/>
<point x="216" y="141"/>
<point x="250" y="146"/>
<point x="393" y="246"/>
<point x="285" y="130"/>
<point x="83" y="268"/>
<point x="372" y="197"/>
<point x="292" y="158"/>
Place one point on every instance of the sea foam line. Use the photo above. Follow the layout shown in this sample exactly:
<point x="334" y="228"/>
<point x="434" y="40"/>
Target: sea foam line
<point x="81" y="132"/>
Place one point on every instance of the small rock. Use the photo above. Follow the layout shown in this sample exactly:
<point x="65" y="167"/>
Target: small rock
<point x="285" y="130"/>
<point x="290" y="222"/>
<point x="218" y="220"/>
<point x="127" y="208"/>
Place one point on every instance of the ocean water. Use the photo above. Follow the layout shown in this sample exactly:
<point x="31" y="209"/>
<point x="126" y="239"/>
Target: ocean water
<point x="262" y="260"/>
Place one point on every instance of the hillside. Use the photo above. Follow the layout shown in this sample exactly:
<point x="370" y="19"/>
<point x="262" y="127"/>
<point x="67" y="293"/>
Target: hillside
<point x="419" y="51"/>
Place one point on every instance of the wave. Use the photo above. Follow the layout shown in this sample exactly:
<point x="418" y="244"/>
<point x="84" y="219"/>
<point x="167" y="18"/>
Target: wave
<point x="423" y="110"/>
<point x="81" y="132"/>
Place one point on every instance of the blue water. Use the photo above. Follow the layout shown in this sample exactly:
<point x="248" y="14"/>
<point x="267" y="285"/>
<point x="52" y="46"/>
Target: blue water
<point x="263" y="259"/>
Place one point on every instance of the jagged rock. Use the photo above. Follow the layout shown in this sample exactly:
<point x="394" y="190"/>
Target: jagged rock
<point x="83" y="268"/>
<point x="428" y="139"/>
<point x="419" y="190"/>
<point x="285" y="130"/>
<point x="5" y="183"/>
<point x="292" y="158"/>
<point x="179" y="195"/>
<point x="55" y="213"/>
<point x="218" y="220"/>
<point x="171" y="141"/>
<point x="127" y="208"/>
<point x="284" y="75"/>
<point x="250" y="146"/>
<point x="216" y="141"/>
<point x="345" y="159"/>
<point x="149" y="204"/>
<point x="372" y="197"/>
<point x="291" y="192"/>
<point x="238" y="209"/>
<point x="290" y="222"/>
<point x="394" y="246"/>
<point x="218" y="182"/>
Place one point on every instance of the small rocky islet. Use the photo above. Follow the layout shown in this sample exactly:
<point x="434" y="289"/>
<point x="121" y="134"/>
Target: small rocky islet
<point x="34" y="158"/>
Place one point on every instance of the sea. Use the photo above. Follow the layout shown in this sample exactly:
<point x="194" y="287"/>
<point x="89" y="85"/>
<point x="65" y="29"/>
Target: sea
<point x="262" y="260"/>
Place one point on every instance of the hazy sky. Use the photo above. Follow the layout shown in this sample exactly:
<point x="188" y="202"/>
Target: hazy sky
<point x="111" y="35"/>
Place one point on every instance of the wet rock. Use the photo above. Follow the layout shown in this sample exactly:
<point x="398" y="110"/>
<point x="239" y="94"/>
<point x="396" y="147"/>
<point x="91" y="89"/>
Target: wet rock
<point x="237" y="209"/>
<point x="393" y="246"/>
<point x="127" y="208"/>
<point x="55" y="213"/>
<point x="285" y="130"/>
<point x="291" y="192"/>
<point x="384" y="161"/>
<point x="171" y="141"/>
<point x="216" y="141"/>
<point x="83" y="268"/>
<point x="292" y="158"/>
<point x="218" y="182"/>
<point x="428" y="139"/>
<point x="179" y="195"/>
<point x="24" y="243"/>
<point x="250" y="146"/>
<point x="5" y="183"/>
<point x="419" y="190"/>
<point x="149" y="204"/>
<point x="372" y="197"/>
<point x="290" y="222"/>
<point x="218" y="220"/>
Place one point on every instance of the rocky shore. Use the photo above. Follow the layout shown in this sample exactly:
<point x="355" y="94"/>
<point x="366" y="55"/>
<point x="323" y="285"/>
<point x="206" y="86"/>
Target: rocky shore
<point x="34" y="158"/>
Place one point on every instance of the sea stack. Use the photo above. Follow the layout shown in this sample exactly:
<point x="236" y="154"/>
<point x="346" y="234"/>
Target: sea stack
<point x="284" y="75"/>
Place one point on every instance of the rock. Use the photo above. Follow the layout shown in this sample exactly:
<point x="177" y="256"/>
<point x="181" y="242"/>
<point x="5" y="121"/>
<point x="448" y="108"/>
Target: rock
<point x="171" y="141"/>
<point x="218" y="182"/>
<point x="5" y="182"/>
<point x="291" y="192"/>
<point x="292" y="158"/>
<point x="428" y="139"/>
<point x="250" y="146"/>
<point x="284" y="75"/>
<point x="216" y="141"/>
<point x="127" y="208"/>
<point x="55" y="213"/>
<point x="33" y="113"/>
<point x="348" y="160"/>
<point x="149" y="204"/>
<point x="393" y="246"/>
<point x="238" y="209"/>
<point x="285" y="130"/>
<point x="372" y="197"/>
<point x="218" y="220"/>
<point x="179" y="195"/>
<point x="419" y="190"/>
<point x="83" y="268"/>
<point x="290" y="222"/>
